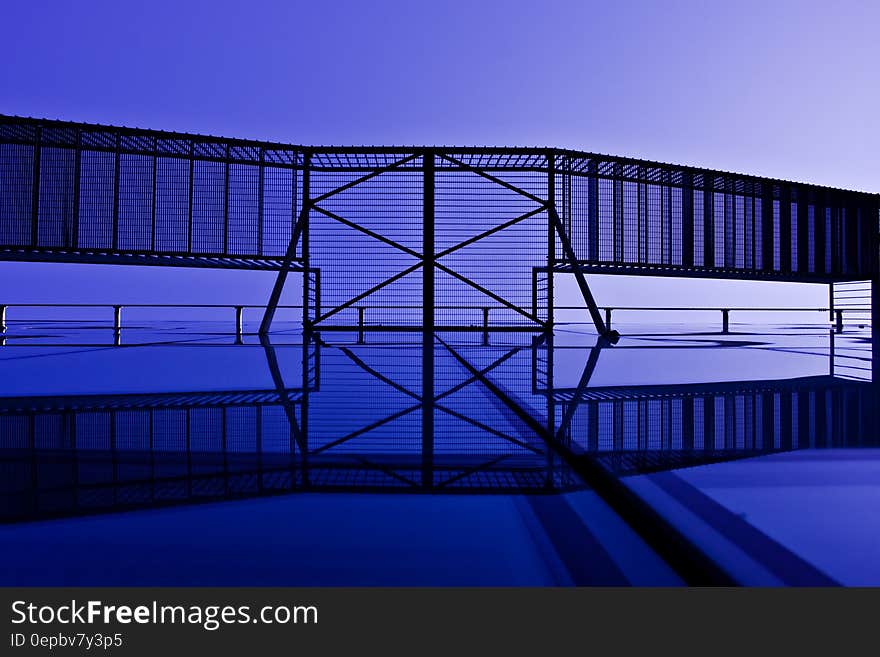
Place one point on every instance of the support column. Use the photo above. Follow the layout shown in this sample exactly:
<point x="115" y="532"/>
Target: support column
<point x="831" y="302"/>
<point x="571" y="257"/>
<point x="299" y="229"/>
<point x="428" y="320"/>
<point x="551" y="236"/>
<point x="687" y="220"/>
<point x="239" y="324"/>
<point x="593" y="211"/>
<point x="117" y="325"/>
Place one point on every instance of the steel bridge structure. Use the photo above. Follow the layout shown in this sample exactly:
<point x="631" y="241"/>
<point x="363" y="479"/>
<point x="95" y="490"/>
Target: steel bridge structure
<point x="414" y="232"/>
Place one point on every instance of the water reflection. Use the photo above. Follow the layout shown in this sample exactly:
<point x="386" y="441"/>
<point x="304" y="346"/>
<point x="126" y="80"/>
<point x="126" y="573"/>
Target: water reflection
<point x="435" y="413"/>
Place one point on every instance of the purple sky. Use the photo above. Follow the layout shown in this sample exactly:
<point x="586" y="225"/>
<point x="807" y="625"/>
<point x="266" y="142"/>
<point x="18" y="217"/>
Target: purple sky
<point x="783" y="89"/>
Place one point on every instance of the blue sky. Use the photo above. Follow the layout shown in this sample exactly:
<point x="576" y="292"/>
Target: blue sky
<point x="783" y="89"/>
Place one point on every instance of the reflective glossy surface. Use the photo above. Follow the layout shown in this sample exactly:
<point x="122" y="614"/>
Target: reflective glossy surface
<point x="403" y="458"/>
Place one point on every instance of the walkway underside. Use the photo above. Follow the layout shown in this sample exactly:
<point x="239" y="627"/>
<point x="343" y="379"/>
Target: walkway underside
<point x="101" y="257"/>
<point x="624" y="269"/>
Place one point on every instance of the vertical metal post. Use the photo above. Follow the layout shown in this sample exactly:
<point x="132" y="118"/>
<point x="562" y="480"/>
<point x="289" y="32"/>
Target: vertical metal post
<point x="115" y="227"/>
<point x="35" y="189"/>
<point x="725" y="320"/>
<point x="831" y="302"/>
<point x="239" y="324"/>
<point x="838" y="313"/>
<point x="226" y="203"/>
<point x="551" y="236"/>
<point x="831" y="353"/>
<point x="306" y="367"/>
<point x="192" y="168"/>
<point x="155" y="194"/>
<point x="428" y="319"/>
<point x="117" y="325"/>
<point x="485" y="326"/>
<point x="2" y="319"/>
<point x="551" y="410"/>
<point x="77" y="166"/>
<point x="608" y="319"/>
<point x="361" y="311"/>
<point x="260" y="182"/>
<point x="593" y="210"/>
<point x="305" y="250"/>
<point x="687" y="220"/>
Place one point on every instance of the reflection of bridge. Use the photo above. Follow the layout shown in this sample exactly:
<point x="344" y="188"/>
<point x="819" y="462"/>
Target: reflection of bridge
<point x="414" y="228"/>
<point x="357" y="420"/>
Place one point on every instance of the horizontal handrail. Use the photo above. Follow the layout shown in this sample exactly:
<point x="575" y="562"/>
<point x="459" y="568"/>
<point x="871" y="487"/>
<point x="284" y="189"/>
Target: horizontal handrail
<point x="837" y="314"/>
<point x="416" y="307"/>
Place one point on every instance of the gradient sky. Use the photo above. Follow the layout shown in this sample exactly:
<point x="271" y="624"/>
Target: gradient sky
<point x="783" y="89"/>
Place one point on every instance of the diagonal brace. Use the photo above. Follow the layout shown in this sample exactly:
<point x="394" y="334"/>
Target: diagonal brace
<point x="609" y="334"/>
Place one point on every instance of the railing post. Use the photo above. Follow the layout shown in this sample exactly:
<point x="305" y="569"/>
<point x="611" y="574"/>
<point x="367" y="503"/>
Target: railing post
<point x="831" y="353"/>
<point x="239" y="323"/>
<point x="725" y="320"/>
<point x="485" y="326"/>
<point x="838" y="325"/>
<point x="361" y="311"/>
<point x="2" y="319"/>
<point x="117" y="325"/>
<point x="608" y="318"/>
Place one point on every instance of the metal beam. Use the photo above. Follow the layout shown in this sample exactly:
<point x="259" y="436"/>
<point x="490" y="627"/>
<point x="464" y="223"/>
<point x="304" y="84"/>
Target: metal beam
<point x="428" y="318"/>
<point x="301" y="224"/>
<point x="610" y="334"/>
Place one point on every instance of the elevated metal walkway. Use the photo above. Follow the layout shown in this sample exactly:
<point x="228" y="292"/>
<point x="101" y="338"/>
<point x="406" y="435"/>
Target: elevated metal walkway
<point x="414" y="230"/>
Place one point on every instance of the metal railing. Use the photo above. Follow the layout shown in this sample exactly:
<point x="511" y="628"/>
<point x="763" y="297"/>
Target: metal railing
<point x="484" y="312"/>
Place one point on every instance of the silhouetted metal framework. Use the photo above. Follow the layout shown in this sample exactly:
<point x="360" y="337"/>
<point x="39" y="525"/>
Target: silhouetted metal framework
<point x="410" y="230"/>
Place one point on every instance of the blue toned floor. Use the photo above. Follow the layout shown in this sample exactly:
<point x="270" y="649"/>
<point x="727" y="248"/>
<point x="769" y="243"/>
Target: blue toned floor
<point x="182" y="458"/>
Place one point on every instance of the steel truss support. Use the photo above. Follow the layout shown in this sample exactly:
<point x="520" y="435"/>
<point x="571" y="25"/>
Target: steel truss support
<point x="299" y="227"/>
<point x="428" y="318"/>
<point x="429" y="258"/>
<point x="606" y="332"/>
